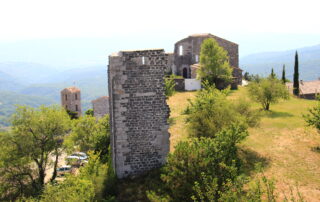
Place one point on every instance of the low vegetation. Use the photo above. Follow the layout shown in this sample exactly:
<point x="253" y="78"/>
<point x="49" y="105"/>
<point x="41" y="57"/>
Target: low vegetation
<point x="224" y="148"/>
<point x="268" y="91"/>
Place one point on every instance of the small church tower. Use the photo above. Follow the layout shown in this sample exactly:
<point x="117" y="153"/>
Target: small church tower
<point x="71" y="100"/>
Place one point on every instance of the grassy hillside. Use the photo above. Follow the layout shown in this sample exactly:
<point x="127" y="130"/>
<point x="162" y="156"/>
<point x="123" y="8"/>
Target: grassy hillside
<point x="282" y="143"/>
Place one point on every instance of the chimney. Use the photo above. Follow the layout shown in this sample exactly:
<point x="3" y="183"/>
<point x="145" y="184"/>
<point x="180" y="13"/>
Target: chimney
<point x="301" y="82"/>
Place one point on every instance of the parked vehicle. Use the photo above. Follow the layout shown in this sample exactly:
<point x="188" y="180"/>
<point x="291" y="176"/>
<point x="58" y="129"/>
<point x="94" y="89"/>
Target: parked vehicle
<point x="78" y="155"/>
<point x="63" y="170"/>
<point x="77" y="159"/>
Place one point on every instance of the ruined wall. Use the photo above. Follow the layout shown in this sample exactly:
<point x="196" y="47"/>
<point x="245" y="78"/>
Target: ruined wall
<point x="71" y="99"/>
<point x="100" y="106"/>
<point x="138" y="111"/>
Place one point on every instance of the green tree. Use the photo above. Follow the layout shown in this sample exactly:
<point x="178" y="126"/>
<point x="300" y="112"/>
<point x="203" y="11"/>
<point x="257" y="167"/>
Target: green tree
<point x="268" y="91"/>
<point x="215" y="157"/>
<point x="283" y="78"/>
<point x="214" y="64"/>
<point x="296" y="88"/>
<point x="211" y="111"/>
<point x="72" y="114"/>
<point x="246" y="76"/>
<point x="89" y="112"/>
<point x="34" y="142"/>
<point x="313" y="117"/>
<point x="169" y="86"/>
<point x="273" y="75"/>
<point x="90" y="134"/>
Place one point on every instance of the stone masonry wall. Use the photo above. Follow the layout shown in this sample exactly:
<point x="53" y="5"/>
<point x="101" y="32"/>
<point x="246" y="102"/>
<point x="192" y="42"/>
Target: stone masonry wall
<point x="138" y="111"/>
<point x="100" y="106"/>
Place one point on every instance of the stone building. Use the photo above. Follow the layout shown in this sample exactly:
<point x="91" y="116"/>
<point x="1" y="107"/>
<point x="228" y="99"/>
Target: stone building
<point x="71" y="99"/>
<point x="308" y="89"/>
<point x="187" y="53"/>
<point x="138" y="111"/>
<point x="100" y="106"/>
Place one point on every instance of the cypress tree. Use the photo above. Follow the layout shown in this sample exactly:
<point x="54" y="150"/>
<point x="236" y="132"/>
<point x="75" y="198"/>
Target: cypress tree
<point x="284" y="74"/>
<point x="272" y="75"/>
<point x="296" y="76"/>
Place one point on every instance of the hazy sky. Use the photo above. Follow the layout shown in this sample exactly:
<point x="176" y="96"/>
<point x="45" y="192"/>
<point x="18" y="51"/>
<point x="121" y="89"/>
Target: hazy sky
<point x="274" y="24"/>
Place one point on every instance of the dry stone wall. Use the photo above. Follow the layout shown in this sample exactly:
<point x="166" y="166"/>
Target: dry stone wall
<point x="138" y="111"/>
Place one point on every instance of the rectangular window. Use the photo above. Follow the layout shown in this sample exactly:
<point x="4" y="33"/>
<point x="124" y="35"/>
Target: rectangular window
<point x="180" y="50"/>
<point x="76" y="107"/>
<point x="143" y="61"/>
<point x="76" y="96"/>
<point x="66" y="97"/>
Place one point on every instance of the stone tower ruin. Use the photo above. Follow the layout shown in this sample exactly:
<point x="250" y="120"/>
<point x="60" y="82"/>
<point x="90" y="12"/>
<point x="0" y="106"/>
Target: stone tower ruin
<point x="71" y="99"/>
<point x="100" y="106"/>
<point x="138" y="111"/>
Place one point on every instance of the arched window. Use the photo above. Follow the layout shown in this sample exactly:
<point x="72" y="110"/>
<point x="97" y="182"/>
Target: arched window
<point x="76" y="96"/>
<point x="76" y="107"/>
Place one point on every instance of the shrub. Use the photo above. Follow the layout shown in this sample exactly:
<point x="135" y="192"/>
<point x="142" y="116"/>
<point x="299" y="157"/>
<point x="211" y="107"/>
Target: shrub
<point x="169" y="86"/>
<point x="211" y="111"/>
<point x="268" y="91"/>
<point x="216" y="158"/>
<point x="313" y="117"/>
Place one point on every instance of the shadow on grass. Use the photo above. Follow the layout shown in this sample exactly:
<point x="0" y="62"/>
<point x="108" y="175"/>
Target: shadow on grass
<point x="171" y="121"/>
<point x="316" y="149"/>
<point x="274" y="114"/>
<point x="250" y="159"/>
<point x="134" y="188"/>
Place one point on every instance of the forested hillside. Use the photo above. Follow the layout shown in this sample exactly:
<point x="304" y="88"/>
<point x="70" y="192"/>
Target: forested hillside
<point x="261" y="63"/>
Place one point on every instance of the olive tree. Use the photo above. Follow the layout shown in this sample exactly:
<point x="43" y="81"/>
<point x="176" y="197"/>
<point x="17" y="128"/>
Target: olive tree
<point x="268" y="91"/>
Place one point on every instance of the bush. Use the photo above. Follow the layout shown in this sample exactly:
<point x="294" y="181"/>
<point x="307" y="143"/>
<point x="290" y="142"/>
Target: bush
<point x="169" y="86"/>
<point x="216" y="158"/>
<point x="268" y="91"/>
<point x="313" y="117"/>
<point x="211" y="111"/>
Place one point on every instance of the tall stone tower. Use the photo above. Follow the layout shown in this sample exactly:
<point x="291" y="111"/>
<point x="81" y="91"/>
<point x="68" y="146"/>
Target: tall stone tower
<point x="138" y="111"/>
<point x="71" y="99"/>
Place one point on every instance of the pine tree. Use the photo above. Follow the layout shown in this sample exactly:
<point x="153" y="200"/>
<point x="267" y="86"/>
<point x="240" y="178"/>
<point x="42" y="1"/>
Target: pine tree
<point x="296" y="76"/>
<point x="272" y="75"/>
<point x="284" y="74"/>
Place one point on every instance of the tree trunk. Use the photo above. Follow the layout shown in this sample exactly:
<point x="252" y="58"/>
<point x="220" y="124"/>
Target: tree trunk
<point x="267" y="106"/>
<point x="54" y="174"/>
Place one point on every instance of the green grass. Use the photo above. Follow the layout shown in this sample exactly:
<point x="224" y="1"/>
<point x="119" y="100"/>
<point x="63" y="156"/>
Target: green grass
<point x="282" y="142"/>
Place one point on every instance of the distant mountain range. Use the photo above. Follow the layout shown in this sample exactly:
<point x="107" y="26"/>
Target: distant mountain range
<point x="261" y="63"/>
<point x="33" y="83"/>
